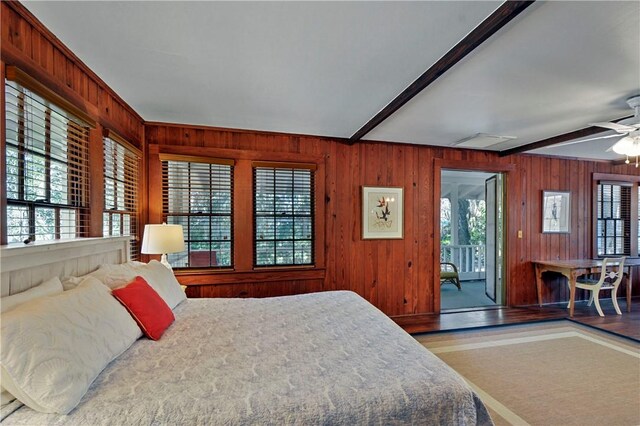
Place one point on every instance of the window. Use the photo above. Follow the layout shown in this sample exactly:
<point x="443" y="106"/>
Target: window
<point x="47" y="169"/>
<point x="283" y="215"/>
<point x="199" y="196"/>
<point x="121" y="170"/>
<point x="614" y="219"/>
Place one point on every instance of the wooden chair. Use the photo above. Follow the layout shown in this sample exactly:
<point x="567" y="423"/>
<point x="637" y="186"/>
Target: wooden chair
<point x="610" y="278"/>
<point x="449" y="274"/>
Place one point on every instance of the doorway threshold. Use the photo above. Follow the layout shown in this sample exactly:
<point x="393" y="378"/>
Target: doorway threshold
<point x="472" y="309"/>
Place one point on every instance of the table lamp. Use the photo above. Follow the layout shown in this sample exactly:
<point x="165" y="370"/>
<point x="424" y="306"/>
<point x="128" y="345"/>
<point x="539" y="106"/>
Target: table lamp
<point x="162" y="239"/>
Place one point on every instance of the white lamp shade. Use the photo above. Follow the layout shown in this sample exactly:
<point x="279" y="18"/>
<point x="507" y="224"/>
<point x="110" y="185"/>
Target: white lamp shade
<point x="161" y="239"/>
<point x="628" y="145"/>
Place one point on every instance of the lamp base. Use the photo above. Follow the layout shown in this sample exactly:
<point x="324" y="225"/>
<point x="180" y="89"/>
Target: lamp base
<point x="165" y="262"/>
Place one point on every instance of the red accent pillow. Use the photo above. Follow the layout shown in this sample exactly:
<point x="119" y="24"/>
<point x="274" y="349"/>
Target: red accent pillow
<point x="150" y="311"/>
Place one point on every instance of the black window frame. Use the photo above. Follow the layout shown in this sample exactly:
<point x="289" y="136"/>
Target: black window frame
<point x="175" y="217"/>
<point x="274" y="214"/>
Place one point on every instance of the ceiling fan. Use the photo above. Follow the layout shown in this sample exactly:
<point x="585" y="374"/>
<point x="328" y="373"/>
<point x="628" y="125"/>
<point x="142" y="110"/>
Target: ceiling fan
<point x="628" y="130"/>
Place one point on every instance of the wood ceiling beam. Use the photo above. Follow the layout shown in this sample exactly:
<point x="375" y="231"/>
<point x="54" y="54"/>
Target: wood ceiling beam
<point x="492" y="24"/>
<point x="554" y="140"/>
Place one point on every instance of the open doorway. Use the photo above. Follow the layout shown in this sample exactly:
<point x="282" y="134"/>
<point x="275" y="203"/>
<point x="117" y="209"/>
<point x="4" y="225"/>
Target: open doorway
<point x="471" y="240"/>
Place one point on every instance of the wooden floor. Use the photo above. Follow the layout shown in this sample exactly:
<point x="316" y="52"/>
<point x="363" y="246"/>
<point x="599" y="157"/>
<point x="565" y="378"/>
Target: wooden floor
<point x="627" y="324"/>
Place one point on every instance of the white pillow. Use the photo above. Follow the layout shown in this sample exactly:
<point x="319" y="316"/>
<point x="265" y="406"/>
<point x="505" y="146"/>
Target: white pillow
<point x="163" y="282"/>
<point x="111" y="275"/>
<point x="54" y="347"/>
<point x="47" y="288"/>
<point x="158" y="276"/>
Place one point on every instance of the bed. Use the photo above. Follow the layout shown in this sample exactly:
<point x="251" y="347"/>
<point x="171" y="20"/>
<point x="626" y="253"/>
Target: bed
<point x="322" y="358"/>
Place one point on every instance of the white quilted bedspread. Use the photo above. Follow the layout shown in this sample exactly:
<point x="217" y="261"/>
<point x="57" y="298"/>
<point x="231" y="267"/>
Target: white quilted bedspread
<point x="325" y="358"/>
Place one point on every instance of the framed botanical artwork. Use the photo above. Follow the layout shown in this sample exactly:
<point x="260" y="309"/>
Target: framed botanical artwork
<point x="382" y="212"/>
<point x="556" y="212"/>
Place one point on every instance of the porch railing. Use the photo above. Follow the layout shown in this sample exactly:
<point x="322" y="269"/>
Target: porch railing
<point x="469" y="259"/>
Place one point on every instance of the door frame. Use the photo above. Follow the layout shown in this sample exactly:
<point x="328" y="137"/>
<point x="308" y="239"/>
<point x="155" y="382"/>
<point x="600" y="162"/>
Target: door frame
<point x="507" y="171"/>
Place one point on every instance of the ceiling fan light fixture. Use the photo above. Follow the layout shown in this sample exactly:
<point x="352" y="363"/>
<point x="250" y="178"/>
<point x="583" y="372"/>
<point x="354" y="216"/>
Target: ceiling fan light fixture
<point x="629" y="146"/>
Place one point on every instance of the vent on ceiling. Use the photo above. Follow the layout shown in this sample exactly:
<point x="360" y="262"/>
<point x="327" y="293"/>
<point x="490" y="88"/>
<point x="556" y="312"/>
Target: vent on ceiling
<point x="482" y="140"/>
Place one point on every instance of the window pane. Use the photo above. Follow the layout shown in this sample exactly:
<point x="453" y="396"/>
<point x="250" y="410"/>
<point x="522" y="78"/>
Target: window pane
<point x="199" y="227"/>
<point x="12" y="173"/>
<point x="265" y="253"/>
<point x="59" y="185"/>
<point x="45" y="224"/>
<point x="115" y="224"/>
<point x="106" y="220"/>
<point x="17" y="224"/>
<point x="284" y="252"/>
<point x="265" y="228"/>
<point x="67" y="223"/>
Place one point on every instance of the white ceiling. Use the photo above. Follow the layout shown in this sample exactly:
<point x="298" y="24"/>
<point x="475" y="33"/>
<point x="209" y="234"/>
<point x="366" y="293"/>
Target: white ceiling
<point x="325" y="68"/>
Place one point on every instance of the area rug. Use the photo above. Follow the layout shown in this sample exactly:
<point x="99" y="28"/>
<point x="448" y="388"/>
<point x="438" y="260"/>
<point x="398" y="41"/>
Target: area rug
<point x="557" y="373"/>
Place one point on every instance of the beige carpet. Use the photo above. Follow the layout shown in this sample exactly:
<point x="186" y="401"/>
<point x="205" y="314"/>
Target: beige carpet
<point x="548" y="374"/>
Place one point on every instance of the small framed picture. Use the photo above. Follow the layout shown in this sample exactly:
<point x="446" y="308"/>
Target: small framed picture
<point x="556" y="212"/>
<point x="382" y="212"/>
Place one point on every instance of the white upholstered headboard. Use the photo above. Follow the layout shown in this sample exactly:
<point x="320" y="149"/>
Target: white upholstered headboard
<point x="23" y="267"/>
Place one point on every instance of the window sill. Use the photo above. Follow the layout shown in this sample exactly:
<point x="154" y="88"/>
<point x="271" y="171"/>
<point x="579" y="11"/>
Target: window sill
<point x="217" y="277"/>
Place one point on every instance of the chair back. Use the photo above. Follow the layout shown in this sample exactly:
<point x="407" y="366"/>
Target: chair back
<point x="612" y="270"/>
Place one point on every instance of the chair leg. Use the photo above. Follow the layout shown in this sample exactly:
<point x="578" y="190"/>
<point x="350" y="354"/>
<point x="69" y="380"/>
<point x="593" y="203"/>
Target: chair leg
<point x="596" y="298"/>
<point x="458" y="284"/>
<point x="614" y="298"/>
<point x="590" y="298"/>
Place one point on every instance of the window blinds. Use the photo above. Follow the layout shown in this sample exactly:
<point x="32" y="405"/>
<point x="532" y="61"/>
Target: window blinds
<point x="121" y="171"/>
<point x="614" y="219"/>
<point x="283" y="215"/>
<point x="199" y="196"/>
<point x="47" y="168"/>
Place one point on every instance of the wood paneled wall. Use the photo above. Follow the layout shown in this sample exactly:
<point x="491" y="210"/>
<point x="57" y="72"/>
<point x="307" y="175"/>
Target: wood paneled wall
<point x="30" y="46"/>
<point x="398" y="275"/>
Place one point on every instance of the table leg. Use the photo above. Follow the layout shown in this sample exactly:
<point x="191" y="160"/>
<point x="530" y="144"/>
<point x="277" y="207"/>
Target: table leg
<point x="572" y="294"/>
<point x="539" y="283"/>
<point x="629" y="289"/>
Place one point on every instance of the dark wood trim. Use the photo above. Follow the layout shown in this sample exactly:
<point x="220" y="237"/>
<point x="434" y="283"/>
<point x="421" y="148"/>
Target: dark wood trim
<point x="507" y="169"/>
<point x="242" y="277"/>
<point x="633" y="231"/>
<point x="3" y="162"/>
<point x="108" y="133"/>
<point x="76" y="106"/>
<point x="555" y="140"/>
<point x="492" y="24"/>
<point x="203" y="152"/>
<point x="25" y="14"/>
<point x="96" y="178"/>
<point x="244" y="131"/>
<point x="616" y="177"/>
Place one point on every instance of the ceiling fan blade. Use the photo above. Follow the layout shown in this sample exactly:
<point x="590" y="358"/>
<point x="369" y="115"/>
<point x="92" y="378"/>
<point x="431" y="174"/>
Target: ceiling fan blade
<point x="620" y="128"/>
<point x="584" y="140"/>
